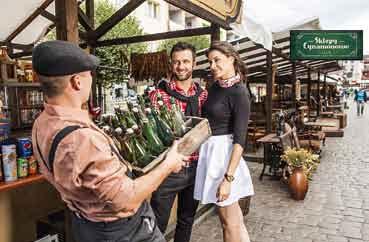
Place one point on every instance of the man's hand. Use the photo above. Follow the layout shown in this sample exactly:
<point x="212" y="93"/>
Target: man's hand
<point x="175" y="160"/>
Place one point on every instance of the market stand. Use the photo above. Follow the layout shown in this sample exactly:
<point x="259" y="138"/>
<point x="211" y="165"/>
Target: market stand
<point x="41" y="199"/>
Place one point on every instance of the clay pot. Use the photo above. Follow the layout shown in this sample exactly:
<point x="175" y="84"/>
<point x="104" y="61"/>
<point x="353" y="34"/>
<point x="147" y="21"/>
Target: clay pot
<point x="298" y="184"/>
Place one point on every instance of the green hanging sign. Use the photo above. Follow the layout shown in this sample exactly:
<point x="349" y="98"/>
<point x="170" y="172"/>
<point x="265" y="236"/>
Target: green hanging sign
<point x="326" y="44"/>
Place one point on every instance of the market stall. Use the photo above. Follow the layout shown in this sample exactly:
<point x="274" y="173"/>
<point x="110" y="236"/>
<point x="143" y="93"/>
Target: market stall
<point x="22" y="100"/>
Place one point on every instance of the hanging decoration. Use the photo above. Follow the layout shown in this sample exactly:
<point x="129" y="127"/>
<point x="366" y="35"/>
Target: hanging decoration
<point x="154" y="66"/>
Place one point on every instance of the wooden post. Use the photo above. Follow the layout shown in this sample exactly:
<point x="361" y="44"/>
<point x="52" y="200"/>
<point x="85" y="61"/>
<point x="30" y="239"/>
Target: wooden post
<point x="66" y="12"/>
<point x="90" y="13"/>
<point x="309" y="93"/>
<point x="294" y="79"/>
<point x="318" y="94"/>
<point x="215" y="33"/>
<point x="325" y="87"/>
<point x="269" y="92"/>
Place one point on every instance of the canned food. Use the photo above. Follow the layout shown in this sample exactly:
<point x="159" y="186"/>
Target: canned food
<point x="24" y="147"/>
<point x="29" y="75"/>
<point x="9" y="162"/>
<point x="22" y="165"/>
<point x="32" y="165"/>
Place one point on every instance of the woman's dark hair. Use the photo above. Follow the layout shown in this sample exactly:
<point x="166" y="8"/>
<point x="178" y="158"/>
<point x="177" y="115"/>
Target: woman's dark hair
<point x="228" y="50"/>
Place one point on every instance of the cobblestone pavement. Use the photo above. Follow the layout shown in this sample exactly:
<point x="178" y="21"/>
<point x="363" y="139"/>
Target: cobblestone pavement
<point x="336" y="208"/>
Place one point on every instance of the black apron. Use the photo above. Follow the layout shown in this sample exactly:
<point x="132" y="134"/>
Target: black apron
<point x="192" y="107"/>
<point x="139" y="227"/>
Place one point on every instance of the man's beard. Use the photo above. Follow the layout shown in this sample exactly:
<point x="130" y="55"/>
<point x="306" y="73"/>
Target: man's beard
<point x="184" y="78"/>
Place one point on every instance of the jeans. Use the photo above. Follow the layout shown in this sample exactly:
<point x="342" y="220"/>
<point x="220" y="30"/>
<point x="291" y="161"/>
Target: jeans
<point x="360" y="107"/>
<point x="137" y="228"/>
<point x="181" y="184"/>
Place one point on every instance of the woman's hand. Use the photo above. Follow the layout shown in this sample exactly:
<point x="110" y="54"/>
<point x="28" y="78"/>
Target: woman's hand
<point x="224" y="190"/>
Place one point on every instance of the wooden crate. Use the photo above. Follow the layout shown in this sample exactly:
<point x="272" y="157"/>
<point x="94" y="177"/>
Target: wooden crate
<point x="198" y="132"/>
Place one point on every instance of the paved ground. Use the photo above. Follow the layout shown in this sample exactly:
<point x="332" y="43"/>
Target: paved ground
<point x="336" y="208"/>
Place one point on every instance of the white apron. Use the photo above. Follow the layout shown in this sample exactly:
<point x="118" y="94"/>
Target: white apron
<point x="212" y="165"/>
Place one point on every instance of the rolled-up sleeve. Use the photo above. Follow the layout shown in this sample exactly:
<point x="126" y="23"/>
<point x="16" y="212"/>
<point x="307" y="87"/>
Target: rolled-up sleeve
<point x="240" y="111"/>
<point x="101" y="172"/>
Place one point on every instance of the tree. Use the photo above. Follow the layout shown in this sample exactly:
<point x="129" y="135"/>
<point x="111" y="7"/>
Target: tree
<point x="116" y="56"/>
<point x="199" y="42"/>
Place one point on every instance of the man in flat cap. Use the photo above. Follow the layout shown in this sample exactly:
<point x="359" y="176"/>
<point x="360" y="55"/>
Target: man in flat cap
<point x="81" y="161"/>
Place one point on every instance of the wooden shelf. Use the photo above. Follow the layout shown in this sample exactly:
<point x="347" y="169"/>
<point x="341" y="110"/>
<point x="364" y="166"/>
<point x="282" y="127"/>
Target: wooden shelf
<point x="5" y="186"/>
<point x="20" y="84"/>
<point x="36" y="106"/>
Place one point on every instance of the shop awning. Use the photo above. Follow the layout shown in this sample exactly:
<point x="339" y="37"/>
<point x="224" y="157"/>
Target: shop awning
<point x="254" y="55"/>
<point x="24" y="22"/>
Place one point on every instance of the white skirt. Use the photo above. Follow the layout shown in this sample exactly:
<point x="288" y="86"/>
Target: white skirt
<point x="213" y="162"/>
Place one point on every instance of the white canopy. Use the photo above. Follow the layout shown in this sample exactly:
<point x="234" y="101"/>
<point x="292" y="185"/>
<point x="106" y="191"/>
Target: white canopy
<point x="14" y="12"/>
<point x="257" y="24"/>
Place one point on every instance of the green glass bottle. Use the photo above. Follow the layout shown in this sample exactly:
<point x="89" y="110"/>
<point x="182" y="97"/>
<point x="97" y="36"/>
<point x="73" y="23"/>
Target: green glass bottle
<point x="164" y="112"/>
<point x="105" y="119"/>
<point x="151" y="119"/>
<point x="164" y="131"/>
<point x="116" y="136"/>
<point x="130" y="120"/>
<point x="179" y="127"/>
<point x="139" y="115"/>
<point x="154" y="143"/>
<point x="130" y="105"/>
<point x="115" y="122"/>
<point x="138" y="133"/>
<point x="141" y="102"/>
<point x="127" y="148"/>
<point x="143" y="157"/>
<point x="120" y="114"/>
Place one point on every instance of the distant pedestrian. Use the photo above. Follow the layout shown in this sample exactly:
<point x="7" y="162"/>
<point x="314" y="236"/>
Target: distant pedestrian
<point x="360" y="99"/>
<point x="344" y="98"/>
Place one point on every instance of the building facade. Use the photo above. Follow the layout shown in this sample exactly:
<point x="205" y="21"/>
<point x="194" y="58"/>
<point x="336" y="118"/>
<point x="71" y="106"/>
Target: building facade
<point x="365" y="74"/>
<point x="156" y="16"/>
<point x="352" y="71"/>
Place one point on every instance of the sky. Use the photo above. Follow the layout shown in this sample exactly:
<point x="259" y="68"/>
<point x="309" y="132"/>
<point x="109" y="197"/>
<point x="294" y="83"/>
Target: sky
<point x="333" y="14"/>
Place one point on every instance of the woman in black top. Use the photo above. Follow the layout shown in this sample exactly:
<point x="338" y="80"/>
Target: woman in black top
<point x="222" y="175"/>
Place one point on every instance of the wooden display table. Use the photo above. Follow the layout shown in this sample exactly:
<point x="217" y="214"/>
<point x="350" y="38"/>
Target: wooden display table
<point x="271" y="157"/>
<point x="4" y="186"/>
<point x="342" y="117"/>
<point x="330" y="131"/>
<point x="320" y="124"/>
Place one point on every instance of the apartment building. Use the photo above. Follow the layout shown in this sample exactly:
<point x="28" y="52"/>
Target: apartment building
<point x="365" y="75"/>
<point x="157" y="16"/>
<point x="352" y="70"/>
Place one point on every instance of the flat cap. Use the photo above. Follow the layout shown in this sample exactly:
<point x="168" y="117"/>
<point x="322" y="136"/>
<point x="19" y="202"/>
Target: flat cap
<point x="60" y="58"/>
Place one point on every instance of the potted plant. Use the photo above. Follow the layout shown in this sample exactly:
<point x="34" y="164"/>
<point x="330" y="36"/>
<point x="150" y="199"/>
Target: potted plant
<point x="302" y="163"/>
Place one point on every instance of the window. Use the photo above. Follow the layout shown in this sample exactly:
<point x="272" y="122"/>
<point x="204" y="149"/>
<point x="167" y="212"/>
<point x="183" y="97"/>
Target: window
<point x="152" y="9"/>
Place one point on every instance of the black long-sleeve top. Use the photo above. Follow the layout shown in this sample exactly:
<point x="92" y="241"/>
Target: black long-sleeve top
<point x="228" y="110"/>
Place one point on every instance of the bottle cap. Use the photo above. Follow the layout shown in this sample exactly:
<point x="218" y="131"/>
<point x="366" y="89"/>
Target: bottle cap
<point x="106" y="128"/>
<point x="118" y="131"/>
